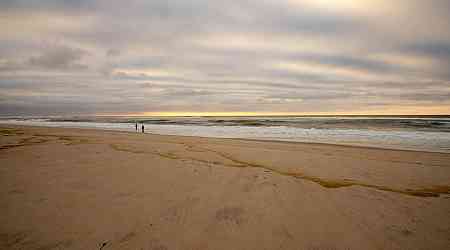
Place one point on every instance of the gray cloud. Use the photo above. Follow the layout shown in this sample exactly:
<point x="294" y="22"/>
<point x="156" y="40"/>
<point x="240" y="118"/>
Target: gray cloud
<point x="59" y="58"/>
<point x="95" y="56"/>
<point x="113" y="52"/>
<point x="432" y="49"/>
<point x="47" y="5"/>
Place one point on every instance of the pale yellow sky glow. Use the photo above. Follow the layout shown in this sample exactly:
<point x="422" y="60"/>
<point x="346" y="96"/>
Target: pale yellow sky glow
<point x="324" y="69"/>
<point x="257" y="42"/>
<point x="361" y="7"/>
<point x="394" y="110"/>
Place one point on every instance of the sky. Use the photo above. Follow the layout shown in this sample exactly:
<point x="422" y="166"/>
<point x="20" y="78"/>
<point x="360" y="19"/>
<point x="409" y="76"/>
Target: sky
<point x="165" y="57"/>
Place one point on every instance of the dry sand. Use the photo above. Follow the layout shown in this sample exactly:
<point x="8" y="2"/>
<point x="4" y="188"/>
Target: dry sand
<point x="90" y="189"/>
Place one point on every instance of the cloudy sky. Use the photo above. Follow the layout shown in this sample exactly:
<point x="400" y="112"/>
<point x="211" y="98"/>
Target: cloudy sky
<point x="259" y="56"/>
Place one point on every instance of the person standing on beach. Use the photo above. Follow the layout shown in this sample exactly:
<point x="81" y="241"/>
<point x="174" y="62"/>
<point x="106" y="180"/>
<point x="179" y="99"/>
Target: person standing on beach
<point x="136" y="127"/>
<point x="142" y="127"/>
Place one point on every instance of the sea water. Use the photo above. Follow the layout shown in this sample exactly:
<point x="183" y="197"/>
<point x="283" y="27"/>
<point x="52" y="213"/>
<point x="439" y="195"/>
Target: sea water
<point x="425" y="133"/>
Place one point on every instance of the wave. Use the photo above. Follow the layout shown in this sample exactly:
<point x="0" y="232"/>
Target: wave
<point x="416" y="134"/>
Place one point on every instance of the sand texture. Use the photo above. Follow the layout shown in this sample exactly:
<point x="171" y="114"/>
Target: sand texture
<point x="90" y="189"/>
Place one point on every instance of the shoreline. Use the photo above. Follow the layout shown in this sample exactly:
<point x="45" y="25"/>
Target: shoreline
<point x="243" y="139"/>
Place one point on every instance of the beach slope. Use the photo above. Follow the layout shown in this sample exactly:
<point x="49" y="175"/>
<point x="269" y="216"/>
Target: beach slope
<point x="66" y="188"/>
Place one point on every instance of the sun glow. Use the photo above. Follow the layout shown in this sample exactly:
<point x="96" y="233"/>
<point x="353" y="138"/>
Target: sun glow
<point x="355" y="6"/>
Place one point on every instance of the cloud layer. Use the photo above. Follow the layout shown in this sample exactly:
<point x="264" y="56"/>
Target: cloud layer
<point x="322" y="56"/>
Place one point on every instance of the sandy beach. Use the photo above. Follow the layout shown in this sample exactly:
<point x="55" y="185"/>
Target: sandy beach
<point x="91" y="189"/>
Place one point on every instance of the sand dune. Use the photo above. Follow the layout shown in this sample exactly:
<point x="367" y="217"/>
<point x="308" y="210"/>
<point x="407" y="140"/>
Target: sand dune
<point x="90" y="189"/>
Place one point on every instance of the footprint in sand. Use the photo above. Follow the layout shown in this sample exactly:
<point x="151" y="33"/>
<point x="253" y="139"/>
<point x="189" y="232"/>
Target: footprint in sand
<point x="232" y="215"/>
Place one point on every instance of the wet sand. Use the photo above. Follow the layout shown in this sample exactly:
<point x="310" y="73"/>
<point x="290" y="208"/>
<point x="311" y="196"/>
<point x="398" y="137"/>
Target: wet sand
<point x="91" y="189"/>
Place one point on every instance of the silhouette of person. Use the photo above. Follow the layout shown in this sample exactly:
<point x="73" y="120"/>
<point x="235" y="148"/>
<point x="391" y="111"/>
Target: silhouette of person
<point x="136" y="127"/>
<point x="142" y="128"/>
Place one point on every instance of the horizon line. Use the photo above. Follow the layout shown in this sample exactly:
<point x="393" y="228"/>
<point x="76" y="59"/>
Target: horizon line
<point x="224" y="114"/>
<point x="230" y="114"/>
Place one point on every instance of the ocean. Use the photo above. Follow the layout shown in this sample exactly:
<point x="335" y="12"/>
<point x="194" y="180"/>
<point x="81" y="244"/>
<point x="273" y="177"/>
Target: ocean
<point x="423" y="133"/>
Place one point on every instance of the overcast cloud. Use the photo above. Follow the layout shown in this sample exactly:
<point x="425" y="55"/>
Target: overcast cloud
<point x="305" y="56"/>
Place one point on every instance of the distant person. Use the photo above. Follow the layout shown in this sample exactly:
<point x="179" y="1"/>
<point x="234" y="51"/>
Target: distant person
<point x="136" y="127"/>
<point x="142" y="127"/>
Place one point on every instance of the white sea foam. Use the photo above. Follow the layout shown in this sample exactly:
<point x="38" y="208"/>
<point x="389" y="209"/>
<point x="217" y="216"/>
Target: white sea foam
<point x="414" y="140"/>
